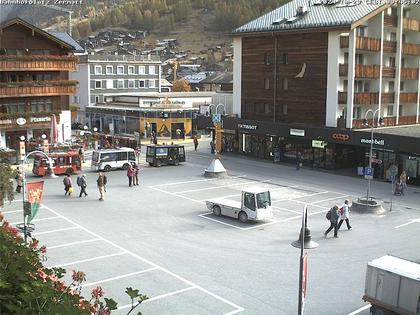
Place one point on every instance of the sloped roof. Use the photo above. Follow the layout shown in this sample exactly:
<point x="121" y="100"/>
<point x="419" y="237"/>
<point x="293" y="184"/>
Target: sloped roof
<point x="20" y="21"/>
<point x="68" y="39"/>
<point x="219" y="78"/>
<point x="319" y="15"/>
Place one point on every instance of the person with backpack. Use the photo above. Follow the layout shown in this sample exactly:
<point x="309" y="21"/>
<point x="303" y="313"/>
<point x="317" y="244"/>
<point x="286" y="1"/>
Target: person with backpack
<point x="332" y="216"/>
<point x="101" y="182"/>
<point x="68" y="185"/>
<point x="344" y="214"/>
<point x="82" y="183"/>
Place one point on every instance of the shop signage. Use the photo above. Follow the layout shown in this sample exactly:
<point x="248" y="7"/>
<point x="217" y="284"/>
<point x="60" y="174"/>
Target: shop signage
<point x="21" y="121"/>
<point x="375" y="141"/>
<point x="318" y="144"/>
<point x="40" y="119"/>
<point x="377" y="161"/>
<point x="5" y="122"/>
<point x="297" y="132"/>
<point x="340" y="136"/>
<point x="248" y="127"/>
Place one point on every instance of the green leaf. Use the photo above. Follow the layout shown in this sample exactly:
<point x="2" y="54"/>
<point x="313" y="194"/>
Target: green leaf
<point x="111" y="304"/>
<point x="132" y="293"/>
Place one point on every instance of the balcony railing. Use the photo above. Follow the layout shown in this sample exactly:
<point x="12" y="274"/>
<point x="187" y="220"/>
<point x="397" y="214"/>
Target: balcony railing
<point x="38" y="63"/>
<point x="363" y="43"/>
<point x="360" y="98"/>
<point x="411" y="24"/>
<point x="390" y="46"/>
<point x="387" y="121"/>
<point x="408" y="97"/>
<point x="409" y="73"/>
<point x="388" y="72"/>
<point x="390" y="21"/>
<point x="38" y="88"/>
<point x="361" y="71"/>
<point x="387" y="97"/>
<point x="411" y="49"/>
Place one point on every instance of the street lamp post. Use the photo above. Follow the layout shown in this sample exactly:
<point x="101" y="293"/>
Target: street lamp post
<point x="366" y="123"/>
<point x="49" y="174"/>
<point x="304" y="242"/>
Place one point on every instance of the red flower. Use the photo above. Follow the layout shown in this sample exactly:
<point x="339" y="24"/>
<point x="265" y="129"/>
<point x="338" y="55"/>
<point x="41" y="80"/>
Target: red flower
<point x="43" y="250"/>
<point x="78" y="276"/>
<point x="97" y="292"/>
<point x="34" y="244"/>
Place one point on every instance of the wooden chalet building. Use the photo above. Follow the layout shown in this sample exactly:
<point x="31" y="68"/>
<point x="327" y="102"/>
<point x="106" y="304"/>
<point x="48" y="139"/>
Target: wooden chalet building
<point x="306" y="75"/>
<point x="34" y="81"/>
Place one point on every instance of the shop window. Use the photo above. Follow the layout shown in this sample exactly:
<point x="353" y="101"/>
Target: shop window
<point x="266" y="83"/>
<point x="284" y="109"/>
<point x="285" y="58"/>
<point x="285" y="84"/>
<point x="268" y="59"/>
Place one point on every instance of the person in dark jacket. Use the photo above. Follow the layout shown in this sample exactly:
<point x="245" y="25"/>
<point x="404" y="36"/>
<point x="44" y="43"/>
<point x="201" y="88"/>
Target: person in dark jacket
<point x="83" y="184"/>
<point x="68" y="185"/>
<point x="333" y="218"/>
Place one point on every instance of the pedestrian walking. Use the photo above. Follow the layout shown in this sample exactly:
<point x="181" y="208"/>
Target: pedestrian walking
<point x="399" y="188"/>
<point x="130" y="175"/>
<point x="82" y="154"/>
<point x="195" y="140"/>
<point x="135" y="173"/>
<point x="344" y="214"/>
<point x="101" y="182"/>
<point x="298" y="161"/>
<point x="19" y="181"/>
<point x="403" y="180"/>
<point x="82" y="183"/>
<point x="212" y="147"/>
<point x="68" y="185"/>
<point x="332" y="216"/>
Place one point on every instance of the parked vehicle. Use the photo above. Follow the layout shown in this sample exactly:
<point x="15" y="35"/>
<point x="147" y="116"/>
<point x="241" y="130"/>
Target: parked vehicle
<point x="63" y="163"/>
<point x="255" y="205"/>
<point x="106" y="160"/>
<point x="157" y="155"/>
<point x="393" y="286"/>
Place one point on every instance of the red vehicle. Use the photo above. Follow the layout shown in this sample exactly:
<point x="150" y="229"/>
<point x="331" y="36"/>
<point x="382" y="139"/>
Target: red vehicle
<point x="63" y="163"/>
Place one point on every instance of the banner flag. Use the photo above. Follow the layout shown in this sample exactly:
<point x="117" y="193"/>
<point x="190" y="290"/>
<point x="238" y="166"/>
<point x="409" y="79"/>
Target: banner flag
<point x="34" y="193"/>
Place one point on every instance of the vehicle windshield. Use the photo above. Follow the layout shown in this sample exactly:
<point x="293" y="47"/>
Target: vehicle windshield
<point x="263" y="200"/>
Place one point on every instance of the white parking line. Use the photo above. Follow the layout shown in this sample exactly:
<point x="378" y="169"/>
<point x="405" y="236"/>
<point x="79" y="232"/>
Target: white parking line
<point x="119" y="277"/>
<point x="237" y="307"/>
<point x="218" y="186"/>
<point x="158" y="297"/>
<point x="38" y="220"/>
<point x="310" y="204"/>
<point x="341" y="197"/>
<point x="12" y="211"/>
<point x="218" y="221"/>
<point x="58" y="230"/>
<point x="74" y="243"/>
<point x="195" y="181"/>
<point x="175" y="194"/>
<point x="88" y="259"/>
<point x="284" y="209"/>
<point x="359" y="310"/>
<point x="310" y="195"/>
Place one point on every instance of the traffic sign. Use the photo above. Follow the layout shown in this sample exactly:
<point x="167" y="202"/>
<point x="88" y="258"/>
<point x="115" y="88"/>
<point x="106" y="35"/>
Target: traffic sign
<point x="368" y="172"/>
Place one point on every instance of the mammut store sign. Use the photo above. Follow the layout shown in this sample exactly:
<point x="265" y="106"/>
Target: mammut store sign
<point x="375" y="141"/>
<point x="247" y="127"/>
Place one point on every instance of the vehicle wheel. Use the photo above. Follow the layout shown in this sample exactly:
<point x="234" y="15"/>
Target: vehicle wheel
<point x="69" y="171"/>
<point x="243" y="217"/>
<point x="158" y="163"/>
<point x="125" y="166"/>
<point x="217" y="211"/>
<point x="151" y="164"/>
<point x="176" y="162"/>
<point x="107" y="168"/>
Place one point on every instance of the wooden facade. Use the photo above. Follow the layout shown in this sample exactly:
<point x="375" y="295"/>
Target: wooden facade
<point x="34" y="77"/>
<point x="270" y="89"/>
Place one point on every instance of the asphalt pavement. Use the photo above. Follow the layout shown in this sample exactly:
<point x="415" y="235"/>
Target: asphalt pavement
<point x="159" y="237"/>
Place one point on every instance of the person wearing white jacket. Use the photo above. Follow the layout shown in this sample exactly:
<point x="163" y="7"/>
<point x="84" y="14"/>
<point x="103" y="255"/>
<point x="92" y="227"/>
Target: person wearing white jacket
<point x="344" y="215"/>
